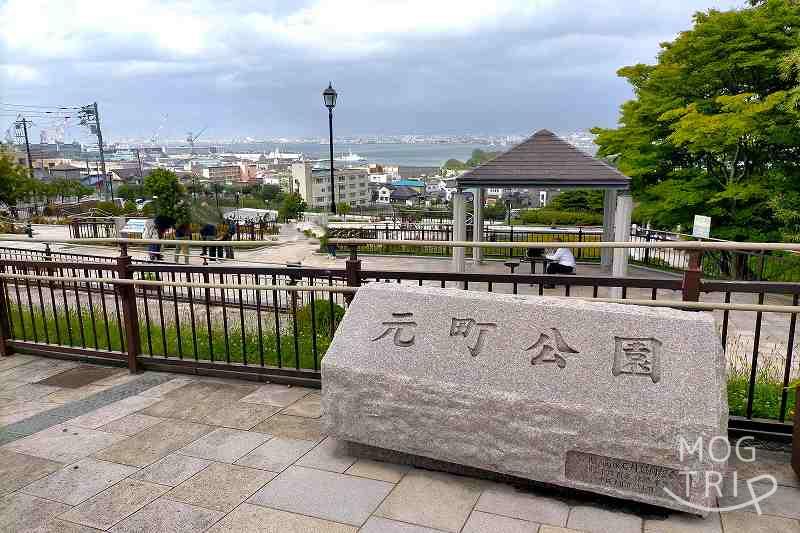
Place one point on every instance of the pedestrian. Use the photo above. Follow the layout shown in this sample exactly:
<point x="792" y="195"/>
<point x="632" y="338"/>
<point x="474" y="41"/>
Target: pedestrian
<point x="229" y="233"/>
<point x="183" y="233"/>
<point x="561" y="261"/>
<point x="207" y="233"/>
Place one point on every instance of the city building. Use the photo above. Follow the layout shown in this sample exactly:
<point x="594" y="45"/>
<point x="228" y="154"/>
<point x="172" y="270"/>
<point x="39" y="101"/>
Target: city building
<point x="313" y="184"/>
<point x="221" y="173"/>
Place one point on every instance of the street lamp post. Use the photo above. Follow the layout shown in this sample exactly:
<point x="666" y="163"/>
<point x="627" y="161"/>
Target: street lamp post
<point x="329" y="97"/>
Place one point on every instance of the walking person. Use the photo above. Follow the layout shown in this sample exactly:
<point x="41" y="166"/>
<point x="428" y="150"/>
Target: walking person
<point x="182" y="233"/>
<point x="207" y="233"/>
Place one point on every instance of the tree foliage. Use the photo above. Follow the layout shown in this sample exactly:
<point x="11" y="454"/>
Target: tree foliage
<point x="713" y="128"/>
<point x="478" y="157"/>
<point x="15" y="181"/>
<point x="292" y="206"/>
<point x="578" y="200"/>
<point x="169" y="196"/>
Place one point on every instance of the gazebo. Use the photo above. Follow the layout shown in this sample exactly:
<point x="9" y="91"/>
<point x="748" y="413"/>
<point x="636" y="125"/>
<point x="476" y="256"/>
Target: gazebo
<point x="545" y="160"/>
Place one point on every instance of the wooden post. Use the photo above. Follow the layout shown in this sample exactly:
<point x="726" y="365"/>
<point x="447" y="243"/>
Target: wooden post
<point x="5" y="325"/>
<point x="691" y="277"/>
<point x="796" y="437"/>
<point x="130" y="313"/>
<point x="353" y="272"/>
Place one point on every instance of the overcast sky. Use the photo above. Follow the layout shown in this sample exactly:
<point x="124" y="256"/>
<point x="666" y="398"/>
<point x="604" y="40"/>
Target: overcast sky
<point x="257" y="67"/>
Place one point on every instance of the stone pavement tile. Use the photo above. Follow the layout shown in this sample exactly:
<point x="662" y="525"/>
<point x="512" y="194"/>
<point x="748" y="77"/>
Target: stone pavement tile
<point x="254" y="519"/>
<point x="161" y="390"/>
<point x="684" y="523"/>
<point x="172" y="470"/>
<point x="507" y="501"/>
<point x="168" y="516"/>
<point x="22" y="512"/>
<point x="379" y="470"/>
<point x="776" y="464"/>
<point x="28" y="391"/>
<point x="554" y="529"/>
<point x="64" y="443"/>
<point x="7" y="384"/>
<point x="330" y="454"/>
<point x="38" y="370"/>
<point x="225" y="445"/>
<point x="152" y="444"/>
<point x="15" y="360"/>
<point x="71" y="395"/>
<point x="276" y="454"/>
<point x="783" y="503"/>
<point x="480" y="522"/>
<point x="79" y="481"/>
<point x="119" y="378"/>
<point x="291" y="427"/>
<point x="308" y="407"/>
<point x="433" y="499"/>
<point x="109" y="413"/>
<point x="221" y="486"/>
<point x="131" y="424"/>
<point x="35" y="424"/>
<point x="594" y="520"/>
<point x="377" y="524"/>
<point x="114" y="504"/>
<point x="736" y="521"/>
<point x="62" y="526"/>
<point x="277" y="395"/>
<point x="18" y="470"/>
<point x="82" y="375"/>
<point x="215" y="410"/>
<point x="325" y="495"/>
<point x="14" y="411"/>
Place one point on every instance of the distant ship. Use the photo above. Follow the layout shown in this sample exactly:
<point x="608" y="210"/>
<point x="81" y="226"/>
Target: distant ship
<point x="349" y="157"/>
<point x="277" y="155"/>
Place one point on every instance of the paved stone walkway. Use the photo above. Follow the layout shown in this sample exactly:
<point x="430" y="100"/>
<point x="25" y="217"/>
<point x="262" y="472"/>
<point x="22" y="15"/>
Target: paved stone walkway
<point x="168" y="453"/>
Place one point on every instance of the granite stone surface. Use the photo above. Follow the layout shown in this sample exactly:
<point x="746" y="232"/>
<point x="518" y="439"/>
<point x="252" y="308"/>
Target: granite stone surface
<point x="594" y="396"/>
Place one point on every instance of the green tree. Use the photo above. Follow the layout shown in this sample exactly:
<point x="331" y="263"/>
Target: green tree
<point x="15" y="181"/>
<point x="343" y="208"/>
<point x="480" y="157"/>
<point x="454" y="164"/>
<point x="167" y="193"/>
<point x="129" y="191"/>
<point x="291" y="206"/>
<point x="578" y="200"/>
<point x="495" y="211"/>
<point x="711" y="129"/>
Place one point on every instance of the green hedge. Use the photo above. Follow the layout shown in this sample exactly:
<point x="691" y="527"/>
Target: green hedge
<point x="561" y="218"/>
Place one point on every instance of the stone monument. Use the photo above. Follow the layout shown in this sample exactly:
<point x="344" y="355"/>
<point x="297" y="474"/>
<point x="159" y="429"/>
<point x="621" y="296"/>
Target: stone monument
<point x="615" y="399"/>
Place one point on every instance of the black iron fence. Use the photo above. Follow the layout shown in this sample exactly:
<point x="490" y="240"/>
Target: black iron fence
<point x="277" y="323"/>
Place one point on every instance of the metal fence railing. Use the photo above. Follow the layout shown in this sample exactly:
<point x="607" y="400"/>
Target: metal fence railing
<point x="278" y="322"/>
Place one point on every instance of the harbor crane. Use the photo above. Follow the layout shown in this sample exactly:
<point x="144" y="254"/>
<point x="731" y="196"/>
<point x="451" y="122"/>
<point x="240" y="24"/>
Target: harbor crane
<point x="190" y="138"/>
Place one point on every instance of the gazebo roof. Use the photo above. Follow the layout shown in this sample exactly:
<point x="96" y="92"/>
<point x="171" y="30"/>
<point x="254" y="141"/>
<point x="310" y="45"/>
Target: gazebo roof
<point x="544" y="160"/>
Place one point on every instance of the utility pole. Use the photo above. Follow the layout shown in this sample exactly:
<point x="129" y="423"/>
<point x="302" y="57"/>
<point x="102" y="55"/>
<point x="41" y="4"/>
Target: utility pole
<point x="90" y="117"/>
<point x="23" y="122"/>
<point x="139" y="159"/>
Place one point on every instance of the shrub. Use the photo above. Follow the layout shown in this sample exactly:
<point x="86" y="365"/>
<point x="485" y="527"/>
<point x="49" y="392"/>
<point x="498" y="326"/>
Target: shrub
<point x="553" y="216"/>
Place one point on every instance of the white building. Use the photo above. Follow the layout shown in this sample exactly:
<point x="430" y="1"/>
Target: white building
<point x="313" y="184"/>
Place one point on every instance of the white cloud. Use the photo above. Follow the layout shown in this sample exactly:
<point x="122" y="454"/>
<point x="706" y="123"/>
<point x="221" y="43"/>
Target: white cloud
<point x="20" y="74"/>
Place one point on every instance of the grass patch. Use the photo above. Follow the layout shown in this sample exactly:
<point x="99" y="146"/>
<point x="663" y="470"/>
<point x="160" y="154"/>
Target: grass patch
<point x="178" y="339"/>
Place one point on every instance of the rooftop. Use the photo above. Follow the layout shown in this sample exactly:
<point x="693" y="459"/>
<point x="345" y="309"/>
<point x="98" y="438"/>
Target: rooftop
<point x="544" y="160"/>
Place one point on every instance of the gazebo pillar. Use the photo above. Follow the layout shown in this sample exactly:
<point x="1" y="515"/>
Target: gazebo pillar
<point x="609" y="207"/>
<point x="622" y="233"/>
<point x="477" y="224"/>
<point x="459" y="229"/>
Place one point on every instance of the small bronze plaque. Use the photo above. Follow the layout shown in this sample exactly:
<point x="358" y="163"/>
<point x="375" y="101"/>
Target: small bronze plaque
<point x="624" y="475"/>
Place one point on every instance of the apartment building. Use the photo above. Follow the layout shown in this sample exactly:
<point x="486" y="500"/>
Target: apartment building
<point x="313" y="184"/>
<point x="222" y="173"/>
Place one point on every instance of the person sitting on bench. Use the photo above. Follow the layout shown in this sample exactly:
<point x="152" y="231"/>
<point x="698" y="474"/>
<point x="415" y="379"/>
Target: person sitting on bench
<point x="561" y="262"/>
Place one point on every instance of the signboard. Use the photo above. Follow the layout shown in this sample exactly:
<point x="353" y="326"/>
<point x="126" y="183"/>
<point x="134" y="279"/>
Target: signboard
<point x="701" y="227"/>
<point x="136" y="225"/>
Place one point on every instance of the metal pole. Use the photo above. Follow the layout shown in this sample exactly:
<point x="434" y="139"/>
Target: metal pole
<point x="27" y="146"/>
<point x="102" y="153"/>
<point x="333" y="181"/>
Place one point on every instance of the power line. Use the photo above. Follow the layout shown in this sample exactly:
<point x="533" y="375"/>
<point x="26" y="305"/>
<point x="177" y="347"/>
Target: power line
<point x="39" y="106"/>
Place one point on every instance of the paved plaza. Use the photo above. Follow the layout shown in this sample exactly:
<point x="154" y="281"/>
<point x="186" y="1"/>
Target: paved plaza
<point x="88" y="448"/>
